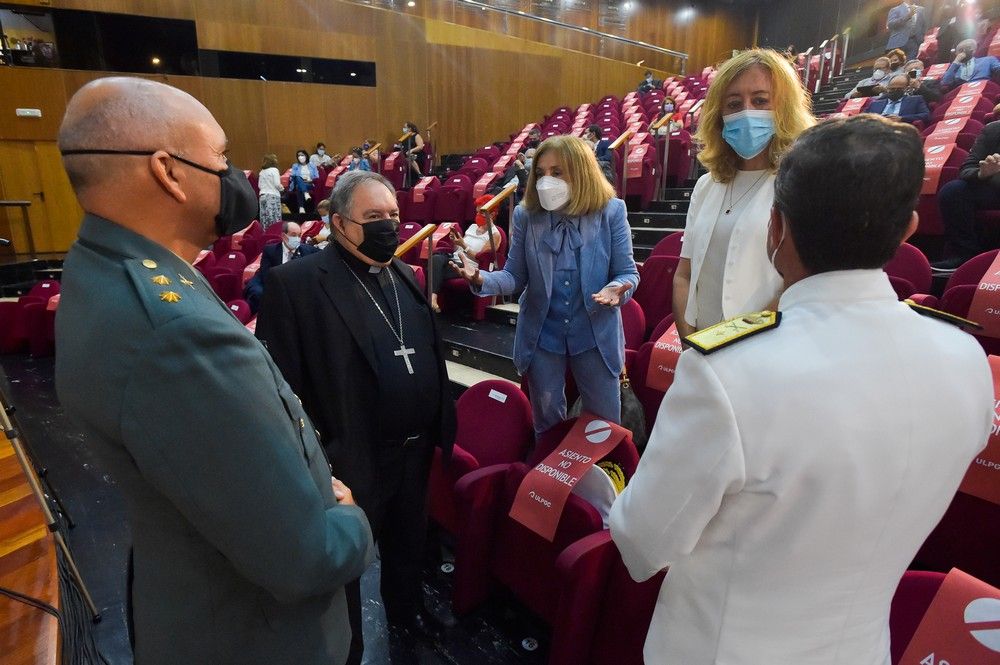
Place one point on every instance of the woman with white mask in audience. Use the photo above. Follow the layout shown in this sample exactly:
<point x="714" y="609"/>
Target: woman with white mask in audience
<point x="571" y="254"/>
<point x="754" y="110"/>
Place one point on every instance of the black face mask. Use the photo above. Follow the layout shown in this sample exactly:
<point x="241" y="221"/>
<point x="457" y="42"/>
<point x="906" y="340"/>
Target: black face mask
<point x="381" y="239"/>
<point x="895" y="95"/>
<point x="237" y="202"/>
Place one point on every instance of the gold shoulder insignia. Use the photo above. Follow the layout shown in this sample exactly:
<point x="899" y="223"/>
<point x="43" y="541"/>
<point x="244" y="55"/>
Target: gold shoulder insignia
<point x="943" y="316"/>
<point x="170" y="296"/>
<point x="615" y="473"/>
<point x="149" y="263"/>
<point x="160" y="280"/>
<point x="729" y="332"/>
<point x="185" y="281"/>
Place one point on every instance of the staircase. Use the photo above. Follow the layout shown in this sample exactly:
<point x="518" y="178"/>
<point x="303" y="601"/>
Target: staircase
<point x="830" y="95"/>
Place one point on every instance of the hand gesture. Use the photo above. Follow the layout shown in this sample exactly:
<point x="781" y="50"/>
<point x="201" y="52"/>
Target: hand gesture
<point x="342" y="493"/>
<point x="469" y="271"/>
<point x="990" y="166"/>
<point x="458" y="240"/>
<point x="611" y="296"/>
<point x="960" y="57"/>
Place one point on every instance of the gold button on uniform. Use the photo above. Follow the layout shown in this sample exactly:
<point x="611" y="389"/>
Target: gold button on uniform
<point x="149" y="263"/>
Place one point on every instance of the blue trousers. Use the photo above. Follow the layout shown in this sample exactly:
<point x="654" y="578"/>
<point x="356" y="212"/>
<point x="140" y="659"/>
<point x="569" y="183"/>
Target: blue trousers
<point x="598" y="387"/>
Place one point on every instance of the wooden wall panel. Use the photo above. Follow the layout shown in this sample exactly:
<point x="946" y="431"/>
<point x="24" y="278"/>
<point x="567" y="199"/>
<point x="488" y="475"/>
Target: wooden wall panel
<point x="31" y="88"/>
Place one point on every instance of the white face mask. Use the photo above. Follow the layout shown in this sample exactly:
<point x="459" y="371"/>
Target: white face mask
<point x="293" y="243"/>
<point x="320" y="151"/>
<point x="774" y="252"/>
<point x="878" y="74"/>
<point x="553" y="193"/>
<point x="302" y="159"/>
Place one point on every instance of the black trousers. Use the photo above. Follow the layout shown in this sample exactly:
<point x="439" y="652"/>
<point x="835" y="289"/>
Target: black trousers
<point x="442" y="270"/>
<point x="959" y="200"/>
<point x="399" y="523"/>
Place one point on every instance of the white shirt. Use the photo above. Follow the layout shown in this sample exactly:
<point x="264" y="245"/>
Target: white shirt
<point x="709" y="287"/>
<point x="749" y="281"/>
<point x="790" y="478"/>
<point x="269" y="182"/>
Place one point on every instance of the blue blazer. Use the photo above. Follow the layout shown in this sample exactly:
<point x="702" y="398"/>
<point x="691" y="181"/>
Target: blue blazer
<point x="606" y="256"/>
<point x="902" y="29"/>
<point x="983" y="68"/>
<point x="911" y="107"/>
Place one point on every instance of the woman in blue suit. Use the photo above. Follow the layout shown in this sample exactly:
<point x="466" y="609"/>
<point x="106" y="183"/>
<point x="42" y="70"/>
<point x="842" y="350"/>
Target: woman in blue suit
<point x="571" y="254"/>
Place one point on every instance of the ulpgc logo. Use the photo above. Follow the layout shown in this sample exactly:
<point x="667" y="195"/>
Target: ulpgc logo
<point x="954" y="121"/>
<point x="935" y="150"/>
<point x="966" y="99"/>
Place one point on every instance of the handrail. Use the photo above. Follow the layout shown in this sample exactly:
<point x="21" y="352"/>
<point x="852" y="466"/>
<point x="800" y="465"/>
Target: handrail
<point x="372" y="149"/>
<point x="683" y="57"/>
<point x="662" y="121"/>
<point x="404" y="137"/>
<point x="431" y="126"/>
<point x="415" y="239"/>
<point x="501" y="196"/>
<point x="617" y="143"/>
<point x="843" y="55"/>
<point x="26" y="220"/>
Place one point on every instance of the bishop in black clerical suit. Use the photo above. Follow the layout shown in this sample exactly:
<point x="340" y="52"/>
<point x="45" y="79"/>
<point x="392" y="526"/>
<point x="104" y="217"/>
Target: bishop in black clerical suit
<point x="355" y="338"/>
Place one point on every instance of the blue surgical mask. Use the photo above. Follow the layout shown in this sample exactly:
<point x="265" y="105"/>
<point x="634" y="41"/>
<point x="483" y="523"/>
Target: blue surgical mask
<point x="748" y="132"/>
<point x="294" y="242"/>
<point x="326" y="219"/>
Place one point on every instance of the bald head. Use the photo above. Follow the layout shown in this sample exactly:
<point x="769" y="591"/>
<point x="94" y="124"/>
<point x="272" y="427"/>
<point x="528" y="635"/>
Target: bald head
<point x="122" y="113"/>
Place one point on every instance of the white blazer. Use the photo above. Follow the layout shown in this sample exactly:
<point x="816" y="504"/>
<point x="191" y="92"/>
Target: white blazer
<point x="750" y="282"/>
<point x="791" y="477"/>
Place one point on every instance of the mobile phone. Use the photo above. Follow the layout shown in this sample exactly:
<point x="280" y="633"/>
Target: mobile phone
<point x="913" y="73"/>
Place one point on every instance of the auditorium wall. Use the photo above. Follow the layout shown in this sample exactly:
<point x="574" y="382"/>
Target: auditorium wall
<point x="478" y="86"/>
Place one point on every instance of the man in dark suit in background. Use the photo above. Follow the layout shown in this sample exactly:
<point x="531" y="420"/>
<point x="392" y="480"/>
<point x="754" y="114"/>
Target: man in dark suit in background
<point x="355" y="337"/>
<point x="977" y="187"/>
<point x="242" y="542"/>
<point x="896" y="104"/>
<point x="907" y="24"/>
<point x="276" y="254"/>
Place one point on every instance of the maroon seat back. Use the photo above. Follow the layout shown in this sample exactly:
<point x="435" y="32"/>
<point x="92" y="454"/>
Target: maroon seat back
<point x="44" y="289"/>
<point x="910" y="263"/>
<point x="669" y="245"/>
<point x="633" y="324"/>
<point x="656" y="287"/>
<point x="241" y="310"/>
<point x="972" y="270"/>
<point x="494" y="422"/>
<point x="661" y="327"/>
<point x="913" y="596"/>
<point x="231" y="261"/>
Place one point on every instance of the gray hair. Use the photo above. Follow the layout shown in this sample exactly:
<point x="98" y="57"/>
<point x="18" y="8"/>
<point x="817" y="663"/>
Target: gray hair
<point x="342" y="195"/>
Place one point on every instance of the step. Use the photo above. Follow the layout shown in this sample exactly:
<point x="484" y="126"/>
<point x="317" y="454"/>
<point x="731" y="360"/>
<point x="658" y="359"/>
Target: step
<point x="482" y="345"/>
<point x="650" y="236"/>
<point x="504" y="314"/>
<point x="49" y="273"/>
<point x="658" y="220"/>
<point x="668" y="206"/>
<point x="678" y="193"/>
<point x="16" y="289"/>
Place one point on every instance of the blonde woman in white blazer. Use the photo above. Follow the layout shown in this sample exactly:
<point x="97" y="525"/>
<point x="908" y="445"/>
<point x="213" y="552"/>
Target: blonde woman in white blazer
<point x="754" y="110"/>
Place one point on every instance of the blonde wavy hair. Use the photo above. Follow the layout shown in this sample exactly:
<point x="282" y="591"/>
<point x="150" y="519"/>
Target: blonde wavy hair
<point x="792" y="111"/>
<point x="589" y="189"/>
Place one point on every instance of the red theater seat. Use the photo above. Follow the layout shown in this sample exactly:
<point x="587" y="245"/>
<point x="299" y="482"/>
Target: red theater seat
<point x="656" y="288"/>
<point x="603" y="614"/>
<point x="633" y="324"/>
<point x="14" y="319"/>
<point x="456" y="291"/>
<point x="454" y="200"/>
<point x="669" y="245"/>
<point x="913" y="596"/>
<point x="241" y="310"/>
<point x="494" y="427"/>
<point x="909" y="263"/>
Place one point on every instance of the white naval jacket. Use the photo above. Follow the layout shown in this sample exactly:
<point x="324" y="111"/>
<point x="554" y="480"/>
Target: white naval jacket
<point x="790" y="478"/>
<point x="750" y="282"/>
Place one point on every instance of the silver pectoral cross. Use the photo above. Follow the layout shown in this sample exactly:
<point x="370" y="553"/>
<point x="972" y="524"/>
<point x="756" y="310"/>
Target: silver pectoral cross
<point x="405" y="354"/>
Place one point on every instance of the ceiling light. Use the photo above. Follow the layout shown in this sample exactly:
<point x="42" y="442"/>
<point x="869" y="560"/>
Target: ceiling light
<point x="354" y="73"/>
<point x="156" y="60"/>
<point x="301" y="71"/>
<point x="411" y="3"/>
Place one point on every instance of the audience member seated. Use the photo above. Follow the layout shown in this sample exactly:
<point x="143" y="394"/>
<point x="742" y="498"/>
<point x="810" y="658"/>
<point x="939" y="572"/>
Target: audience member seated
<point x="929" y="90"/>
<point x="303" y="174"/>
<point x="968" y="68"/>
<point x="373" y="154"/>
<point x="518" y="171"/>
<point x="321" y="239"/>
<point x="977" y="187"/>
<point x="872" y="85"/>
<point x="320" y="158"/>
<point x="896" y="59"/>
<point x="648" y="84"/>
<point x="594" y="137"/>
<point x="476" y="240"/>
<point x="358" y="161"/>
<point x="269" y="185"/>
<point x="897" y="105"/>
<point x="276" y="254"/>
<point x="534" y="137"/>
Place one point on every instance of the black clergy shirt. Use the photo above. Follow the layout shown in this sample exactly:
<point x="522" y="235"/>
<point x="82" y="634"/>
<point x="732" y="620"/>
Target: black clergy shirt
<point x="408" y="404"/>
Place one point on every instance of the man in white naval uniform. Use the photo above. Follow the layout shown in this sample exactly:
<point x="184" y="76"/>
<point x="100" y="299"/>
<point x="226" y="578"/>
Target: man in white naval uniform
<point x="792" y="475"/>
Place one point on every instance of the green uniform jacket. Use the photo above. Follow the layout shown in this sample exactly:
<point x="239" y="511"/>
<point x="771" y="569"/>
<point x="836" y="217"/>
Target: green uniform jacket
<point x="240" y="549"/>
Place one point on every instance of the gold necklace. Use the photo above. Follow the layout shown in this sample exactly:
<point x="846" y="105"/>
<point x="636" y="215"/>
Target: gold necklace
<point x="729" y="191"/>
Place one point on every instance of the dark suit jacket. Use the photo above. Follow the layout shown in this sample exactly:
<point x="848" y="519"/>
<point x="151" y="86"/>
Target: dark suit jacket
<point x="240" y="548"/>
<point x="986" y="144"/>
<point x="313" y="323"/>
<point x="911" y="108"/>
<point x="269" y="257"/>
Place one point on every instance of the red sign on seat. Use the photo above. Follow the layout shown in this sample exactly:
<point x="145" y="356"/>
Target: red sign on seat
<point x="935" y="157"/>
<point x="946" y="132"/>
<point x="961" y="626"/>
<point x="483" y="183"/>
<point x="544" y="491"/>
<point x="635" y="160"/>
<point x="972" y="88"/>
<point x="936" y="71"/>
<point x="501" y="164"/>
<point x="985" y="307"/>
<point x="420" y="191"/>
<point x="983" y="477"/>
<point x="663" y="360"/>
<point x="440" y="233"/>
<point x="963" y="105"/>
<point x="854" y="106"/>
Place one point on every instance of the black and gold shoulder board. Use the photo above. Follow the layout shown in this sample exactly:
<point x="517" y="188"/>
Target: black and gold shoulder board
<point x="734" y="330"/>
<point x="944" y="316"/>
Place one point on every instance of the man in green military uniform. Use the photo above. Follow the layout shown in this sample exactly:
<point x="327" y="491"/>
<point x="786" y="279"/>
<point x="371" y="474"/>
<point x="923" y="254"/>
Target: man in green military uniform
<point x="242" y="540"/>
